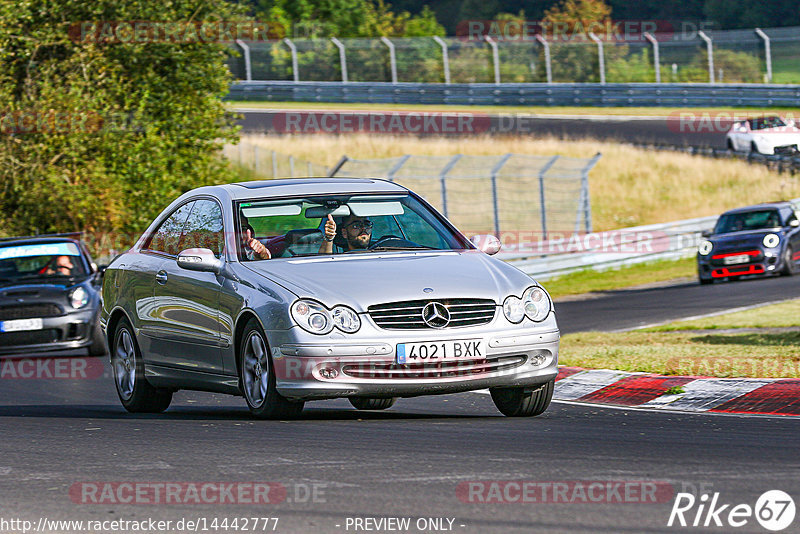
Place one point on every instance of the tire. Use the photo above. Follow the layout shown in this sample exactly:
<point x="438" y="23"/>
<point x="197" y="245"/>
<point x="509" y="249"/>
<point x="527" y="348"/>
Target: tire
<point x="705" y="281"/>
<point x="730" y="146"/>
<point x="521" y="402"/>
<point x="99" y="346"/>
<point x="754" y="148"/>
<point x="369" y="403"/>
<point x="789" y="265"/>
<point x="136" y="394"/>
<point x="257" y="378"/>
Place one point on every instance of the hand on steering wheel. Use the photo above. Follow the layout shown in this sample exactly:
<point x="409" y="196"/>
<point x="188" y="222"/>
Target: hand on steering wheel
<point x="382" y="239"/>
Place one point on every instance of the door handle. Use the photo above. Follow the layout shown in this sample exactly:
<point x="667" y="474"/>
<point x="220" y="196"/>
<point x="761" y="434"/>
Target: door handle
<point x="161" y="277"/>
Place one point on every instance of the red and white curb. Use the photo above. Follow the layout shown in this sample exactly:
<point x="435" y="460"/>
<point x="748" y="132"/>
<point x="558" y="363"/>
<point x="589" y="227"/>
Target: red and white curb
<point x="769" y="396"/>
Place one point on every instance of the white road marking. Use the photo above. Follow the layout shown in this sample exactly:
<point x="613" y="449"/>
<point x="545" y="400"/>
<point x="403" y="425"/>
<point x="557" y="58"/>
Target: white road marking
<point x="705" y="394"/>
<point x="585" y="382"/>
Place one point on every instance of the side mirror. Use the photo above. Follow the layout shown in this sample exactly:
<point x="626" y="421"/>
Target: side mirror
<point x="488" y="244"/>
<point x="199" y="259"/>
<point x="707" y="233"/>
<point x="794" y="223"/>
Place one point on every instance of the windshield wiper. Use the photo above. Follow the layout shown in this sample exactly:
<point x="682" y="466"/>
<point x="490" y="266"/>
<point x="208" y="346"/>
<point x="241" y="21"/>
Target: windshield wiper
<point x="418" y="247"/>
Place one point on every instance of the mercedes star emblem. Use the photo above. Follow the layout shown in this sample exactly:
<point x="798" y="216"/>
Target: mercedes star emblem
<point x="435" y="315"/>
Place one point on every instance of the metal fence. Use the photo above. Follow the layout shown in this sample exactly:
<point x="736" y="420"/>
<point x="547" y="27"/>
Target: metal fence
<point x="268" y="163"/>
<point x="734" y="56"/>
<point x="513" y="195"/>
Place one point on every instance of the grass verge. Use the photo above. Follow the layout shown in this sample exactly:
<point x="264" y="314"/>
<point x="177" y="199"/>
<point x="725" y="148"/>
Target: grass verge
<point x="784" y="314"/>
<point x="588" y="281"/>
<point x="531" y="110"/>
<point x="672" y="350"/>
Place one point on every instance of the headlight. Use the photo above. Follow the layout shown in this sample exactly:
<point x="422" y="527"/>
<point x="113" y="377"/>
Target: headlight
<point x="537" y="303"/>
<point x="78" y="297"/>
<point x="346" y="319"/>
<point x="312" y="316"/>
<point x="513" y="309"/>
<point x="771" y="240"/>
<point x="315" y="318"/>
<point x="705" y="248"/>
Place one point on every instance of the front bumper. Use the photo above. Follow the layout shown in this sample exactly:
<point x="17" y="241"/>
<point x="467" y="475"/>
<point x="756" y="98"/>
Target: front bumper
<point x="307" y="371"/>
<point x="761" y="261"/>
<point x="62" y="333"/>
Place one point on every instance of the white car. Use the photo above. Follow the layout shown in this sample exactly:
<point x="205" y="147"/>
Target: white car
<point x="764" y="135"/>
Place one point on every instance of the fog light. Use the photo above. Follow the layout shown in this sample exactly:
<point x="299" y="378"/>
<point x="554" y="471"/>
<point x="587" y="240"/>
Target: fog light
<point x="328" y="373"/>
<point x="538" y="359"/>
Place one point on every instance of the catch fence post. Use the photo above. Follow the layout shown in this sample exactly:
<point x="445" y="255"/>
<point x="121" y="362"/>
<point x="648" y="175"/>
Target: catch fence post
<point x="495" y="202"/>
<point x="443" y="180"/>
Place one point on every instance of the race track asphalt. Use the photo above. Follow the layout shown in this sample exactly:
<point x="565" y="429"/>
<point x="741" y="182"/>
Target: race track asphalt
<point x="656" y="130"/>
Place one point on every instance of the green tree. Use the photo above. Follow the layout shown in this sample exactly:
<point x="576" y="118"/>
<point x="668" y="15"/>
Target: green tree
<point x="573" y="54"/>
<point x="141" y="121"/>
<point x="346" y="19"/>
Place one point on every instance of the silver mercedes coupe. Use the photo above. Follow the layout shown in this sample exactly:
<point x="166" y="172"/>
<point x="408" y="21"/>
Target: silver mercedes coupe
<point x="284" y="291"/>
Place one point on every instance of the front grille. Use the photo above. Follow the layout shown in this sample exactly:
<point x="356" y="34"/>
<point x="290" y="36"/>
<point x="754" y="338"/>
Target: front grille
<point x="29" y="311"/>
<point x="718" y="259"/>
<point x="418" y="371"/>
<point x="408" y="314"/>
<point x="32" y="337"/>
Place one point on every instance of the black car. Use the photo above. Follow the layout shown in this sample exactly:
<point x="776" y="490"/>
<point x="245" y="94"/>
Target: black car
<point x="49" y="297"/>
<point x="754" y="240"/>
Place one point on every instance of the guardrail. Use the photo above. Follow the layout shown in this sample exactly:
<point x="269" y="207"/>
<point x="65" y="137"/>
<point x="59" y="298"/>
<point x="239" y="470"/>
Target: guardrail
<point x="613" y="249"/>
<point x="523" y="94"/>
<point x="627" y="246"/>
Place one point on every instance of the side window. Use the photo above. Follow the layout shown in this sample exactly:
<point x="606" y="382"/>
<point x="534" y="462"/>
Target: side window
<point x="167" y="237"/>
<point x="203" y="229"/>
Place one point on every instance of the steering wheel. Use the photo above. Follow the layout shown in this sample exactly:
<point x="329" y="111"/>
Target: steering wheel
<point x="385" y="238"/>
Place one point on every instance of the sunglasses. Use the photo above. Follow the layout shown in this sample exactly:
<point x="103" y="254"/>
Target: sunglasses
<point x="360" y="225"/>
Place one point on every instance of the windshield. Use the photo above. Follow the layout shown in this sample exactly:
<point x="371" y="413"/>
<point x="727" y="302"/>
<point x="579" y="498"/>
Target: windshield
<point x="766" y="123"/>
<point x="341" y="224"/>
<point x="40" y="261"/>
<point x="748" y="220"/>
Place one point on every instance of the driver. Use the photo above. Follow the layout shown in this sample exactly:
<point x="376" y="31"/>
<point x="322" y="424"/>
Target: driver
<point x="356" y="231"/>
<point x="63" y="266"/>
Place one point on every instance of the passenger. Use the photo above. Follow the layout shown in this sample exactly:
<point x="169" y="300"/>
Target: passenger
<point x="253" y="248"/>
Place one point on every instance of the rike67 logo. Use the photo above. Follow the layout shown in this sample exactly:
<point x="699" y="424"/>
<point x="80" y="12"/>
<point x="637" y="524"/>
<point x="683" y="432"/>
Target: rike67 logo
<point x="774" y="510"/>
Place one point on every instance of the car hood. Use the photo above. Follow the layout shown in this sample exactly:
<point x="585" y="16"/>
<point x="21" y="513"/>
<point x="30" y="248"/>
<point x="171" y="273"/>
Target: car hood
<point x="743" y="239"/>
<point x="778" y="135"/>
<point x="32" y="292"/>
<point x="361" y="280"/>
